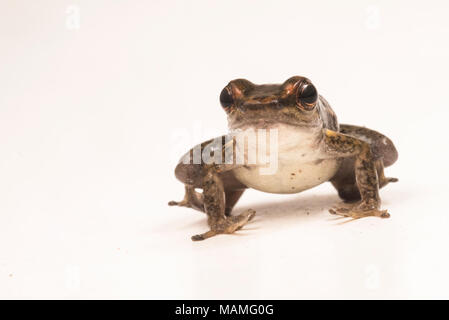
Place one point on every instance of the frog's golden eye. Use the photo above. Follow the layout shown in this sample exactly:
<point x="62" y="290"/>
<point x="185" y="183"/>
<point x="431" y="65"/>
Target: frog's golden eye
<point x="306" y="96"/>
<point x="226" y="98"/>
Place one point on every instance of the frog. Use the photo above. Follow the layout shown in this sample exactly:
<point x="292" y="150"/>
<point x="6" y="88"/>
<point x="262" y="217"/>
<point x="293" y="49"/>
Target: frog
<point x="312" y="148"/>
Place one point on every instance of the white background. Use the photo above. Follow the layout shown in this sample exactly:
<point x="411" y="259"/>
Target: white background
<point x="99" y="99"/>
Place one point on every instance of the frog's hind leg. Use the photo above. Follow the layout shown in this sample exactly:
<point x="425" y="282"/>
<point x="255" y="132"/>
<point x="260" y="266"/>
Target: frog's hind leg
<point x="383" y="152"/>
<point x="232" y="196"/>
<point x="345" y="183"/>
<point x="383" y="181"/>
<point x="192" y="199"/>
<point x="381" y="146"/>
<point x="195" y="200"/>
<point x="215" y="208"/>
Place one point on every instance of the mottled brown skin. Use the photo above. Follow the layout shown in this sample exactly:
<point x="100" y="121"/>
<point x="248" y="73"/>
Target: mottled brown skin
<point x="361" y="153"/>
<point x="383" y="154"/>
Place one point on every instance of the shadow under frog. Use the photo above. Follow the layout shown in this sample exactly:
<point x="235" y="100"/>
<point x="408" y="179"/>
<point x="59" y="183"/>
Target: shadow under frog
<point x="311" y="148"/>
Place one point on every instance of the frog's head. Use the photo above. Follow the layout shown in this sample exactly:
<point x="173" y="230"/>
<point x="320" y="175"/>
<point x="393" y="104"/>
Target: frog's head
<point x="293" y="102"/>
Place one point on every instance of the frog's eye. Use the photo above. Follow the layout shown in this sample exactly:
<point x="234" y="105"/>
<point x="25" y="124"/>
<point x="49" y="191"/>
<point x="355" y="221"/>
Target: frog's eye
<point x="226" y="98"/>
<point x="306" y="96"/>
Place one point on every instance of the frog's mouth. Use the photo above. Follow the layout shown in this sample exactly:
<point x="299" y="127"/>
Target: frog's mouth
<point x="256" y="123"/>
<point x="266" y="118"/>
<point x="261" y="123"/>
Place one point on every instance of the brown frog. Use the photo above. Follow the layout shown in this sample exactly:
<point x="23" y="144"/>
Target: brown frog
<point x="310" y="148"/>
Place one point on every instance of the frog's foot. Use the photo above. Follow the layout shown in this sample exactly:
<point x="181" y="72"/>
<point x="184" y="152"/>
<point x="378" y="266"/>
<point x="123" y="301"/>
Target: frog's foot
<point x="383" y="181"/>
<point x="358" y="210"/>
<point x="188" y="204"/>
<point x="192" y="199"/>
<point x="182" y="203"/>
<point x="227" y="225"/>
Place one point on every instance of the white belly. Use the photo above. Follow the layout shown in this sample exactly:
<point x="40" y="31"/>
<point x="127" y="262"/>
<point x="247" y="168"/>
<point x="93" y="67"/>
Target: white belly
<point x="301" y="163"/>
<point x="289" y="178"/>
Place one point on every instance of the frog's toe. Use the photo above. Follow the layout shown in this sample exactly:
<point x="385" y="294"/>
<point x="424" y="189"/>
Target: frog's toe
<point x="383" y="181"/>
<point x="357" y="211"/>
<point x="183" y="203"/>
<point x="203" y="236"/>
<point x="342" y="209"/>
<point x="240" y="220"/>
<point x="227" y="225"/>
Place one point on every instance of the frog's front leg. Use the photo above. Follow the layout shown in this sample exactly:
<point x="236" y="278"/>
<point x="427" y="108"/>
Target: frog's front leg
<point x="215" y="207"/>
<point x="341" y="145"/>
